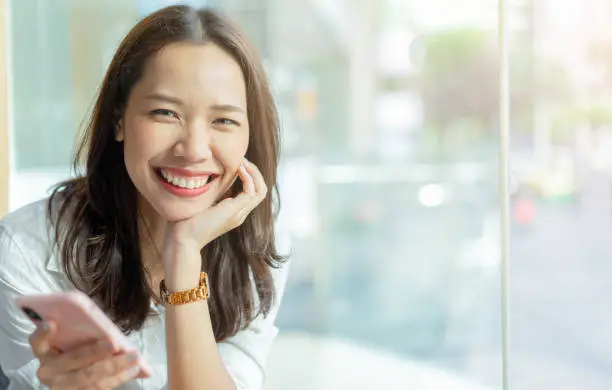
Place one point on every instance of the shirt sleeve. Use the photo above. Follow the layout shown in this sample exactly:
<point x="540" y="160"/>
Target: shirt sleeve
<point x="245" y="354"/>
<point x="16" y="357"/>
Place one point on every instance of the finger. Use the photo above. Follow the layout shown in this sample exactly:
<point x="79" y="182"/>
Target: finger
<point x="39" y="340"/>
<point x="229" y="189"/>
<point x="99" y="371"/>
<point x="227" y="194"/>
<point x="261" y="189"/>
<point x="243" y="202"/>
<point x="80" y="357"/>
<point x="247" y="180"/>
<point x="235" y="210"/>
<point x="117" y="380"/>
<point x="244" y="213"/>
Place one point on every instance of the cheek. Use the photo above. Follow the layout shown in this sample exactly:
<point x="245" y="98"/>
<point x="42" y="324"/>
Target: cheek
<point x="232" y="149"/>
<point x="143" y="140"/>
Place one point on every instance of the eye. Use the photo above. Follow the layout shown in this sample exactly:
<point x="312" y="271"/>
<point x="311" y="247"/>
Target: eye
<point x="226" y="122"/>
<point x="163" y="113"/>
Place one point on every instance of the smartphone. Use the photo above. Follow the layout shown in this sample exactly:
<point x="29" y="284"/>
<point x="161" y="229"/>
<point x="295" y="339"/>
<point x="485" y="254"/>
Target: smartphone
<point x="78" y="321"/>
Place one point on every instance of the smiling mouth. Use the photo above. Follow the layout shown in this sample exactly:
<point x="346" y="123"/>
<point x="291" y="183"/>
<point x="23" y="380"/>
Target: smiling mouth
<point x="195" y="183"/>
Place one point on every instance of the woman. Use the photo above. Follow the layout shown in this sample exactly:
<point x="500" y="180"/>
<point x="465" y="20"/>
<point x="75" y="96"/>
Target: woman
<point x="180" y="150"/>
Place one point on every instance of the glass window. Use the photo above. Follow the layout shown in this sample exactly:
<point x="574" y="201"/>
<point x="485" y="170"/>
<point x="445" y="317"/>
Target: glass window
<point x="561" y="121"/>
<point x="390" y="121"/>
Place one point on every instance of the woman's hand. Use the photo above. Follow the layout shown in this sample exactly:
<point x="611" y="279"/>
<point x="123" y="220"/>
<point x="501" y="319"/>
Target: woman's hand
<point x="184" y="239"/>
<point x="93" y="366"/>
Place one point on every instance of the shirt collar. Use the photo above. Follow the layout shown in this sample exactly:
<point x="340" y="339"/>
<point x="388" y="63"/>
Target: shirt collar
<point x="53" y="264"/>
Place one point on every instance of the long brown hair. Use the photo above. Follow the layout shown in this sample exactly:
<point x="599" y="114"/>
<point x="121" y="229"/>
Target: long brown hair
<point x="96" y="225"/>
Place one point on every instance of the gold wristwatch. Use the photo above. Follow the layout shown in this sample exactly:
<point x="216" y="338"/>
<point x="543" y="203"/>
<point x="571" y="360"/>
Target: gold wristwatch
<point x="182" y="297"/>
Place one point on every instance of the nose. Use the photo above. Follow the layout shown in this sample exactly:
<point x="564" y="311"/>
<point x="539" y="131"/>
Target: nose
<point x="195" y="143"/>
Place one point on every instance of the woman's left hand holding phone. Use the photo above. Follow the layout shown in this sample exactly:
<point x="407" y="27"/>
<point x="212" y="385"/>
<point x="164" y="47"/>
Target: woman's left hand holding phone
<point x="92" y="366"/>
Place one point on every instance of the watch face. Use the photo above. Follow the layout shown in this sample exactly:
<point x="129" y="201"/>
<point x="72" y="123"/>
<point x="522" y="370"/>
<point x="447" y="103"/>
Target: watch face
<point x="206" y="283"/>
<point x="163" y="292"/>
<point x="206" y="286"/>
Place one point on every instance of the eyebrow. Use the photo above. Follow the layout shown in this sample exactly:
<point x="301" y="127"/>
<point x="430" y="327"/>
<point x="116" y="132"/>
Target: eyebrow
<point x="174" y="100"/>
<point x="164" y="98"/>
<point x="227" y="107"/>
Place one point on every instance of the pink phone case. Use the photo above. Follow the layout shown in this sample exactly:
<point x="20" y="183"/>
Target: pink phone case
<point x="78" y="320"/>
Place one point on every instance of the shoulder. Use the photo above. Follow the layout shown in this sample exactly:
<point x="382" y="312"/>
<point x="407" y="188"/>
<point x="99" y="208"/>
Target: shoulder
<point x="29" y="223"/>
<point x="26" y="247"/>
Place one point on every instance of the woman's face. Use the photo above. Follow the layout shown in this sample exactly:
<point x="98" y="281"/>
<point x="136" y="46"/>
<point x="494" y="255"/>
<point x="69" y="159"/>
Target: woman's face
<point x="185" y="129"/>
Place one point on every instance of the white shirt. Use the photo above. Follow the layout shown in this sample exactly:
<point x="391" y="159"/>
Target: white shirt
<point x="29" y="264"/>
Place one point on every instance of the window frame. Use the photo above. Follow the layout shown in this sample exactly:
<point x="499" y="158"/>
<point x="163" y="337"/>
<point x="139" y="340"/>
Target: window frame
<point x="4" y="112"/>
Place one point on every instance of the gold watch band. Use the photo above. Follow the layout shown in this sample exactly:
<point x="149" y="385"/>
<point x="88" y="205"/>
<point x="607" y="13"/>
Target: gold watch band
<point x="182" y="297"/>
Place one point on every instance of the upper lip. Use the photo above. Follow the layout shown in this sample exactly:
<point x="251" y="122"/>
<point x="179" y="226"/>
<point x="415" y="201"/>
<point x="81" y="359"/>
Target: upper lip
<point x="187" y="172"/>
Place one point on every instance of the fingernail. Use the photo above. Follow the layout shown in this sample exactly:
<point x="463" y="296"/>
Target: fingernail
<point x="44" y="326"/>
<point x="132" y="356"/>
<point x="106" y="345"/>
<point x="133" y="371"/>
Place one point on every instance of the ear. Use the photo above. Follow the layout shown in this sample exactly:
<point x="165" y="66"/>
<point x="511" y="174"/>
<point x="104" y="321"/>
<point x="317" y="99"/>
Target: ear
<point x="119" y="135"/>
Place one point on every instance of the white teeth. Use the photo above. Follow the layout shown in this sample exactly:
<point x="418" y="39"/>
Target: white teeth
<point x="184" y="182"/>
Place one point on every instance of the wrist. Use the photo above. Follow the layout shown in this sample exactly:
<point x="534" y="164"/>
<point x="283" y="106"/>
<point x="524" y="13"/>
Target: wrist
<point x="182" y="266"/>
<point x="176" y="243"/>
<point x="179" y="282"/>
